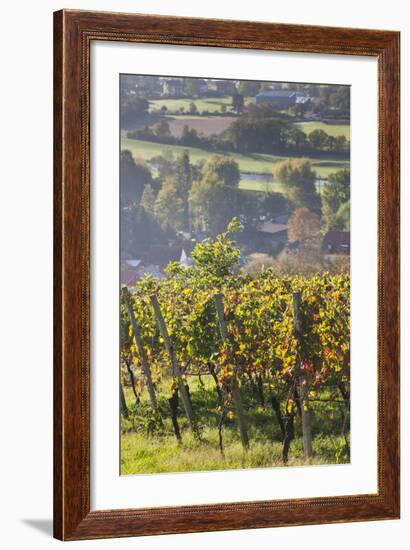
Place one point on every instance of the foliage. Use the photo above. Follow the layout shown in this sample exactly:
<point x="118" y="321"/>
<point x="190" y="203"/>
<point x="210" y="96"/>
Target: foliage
<point x="169" y="205"/>
<point x="259" y="312"/>
<point x="262" y="136"/>
<point x="212" y="204"/>
<point x="133" y="108"/>
<point x="303" y="225"/>
<point x="134" y="175"/>
<point x="298" y="183"/>
<point x="148" y="199"/>
<point x="191" y="86"/>
<point x="249" y="87"/>
<point x="221" y="169"/>
<point x="336" y="201"/>
<point x="252" y="162"/>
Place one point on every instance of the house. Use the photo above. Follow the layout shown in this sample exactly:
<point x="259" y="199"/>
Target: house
<point x="185" y="260"/>
<point x="281" y="218"/>
<point x="173" y="88"/>
<point x="273" y="228"/>
<point x="161" y="255"/>
<point x="271" y="236"/>
<point x="336" y="242"/>
<point x="283" y="99"/>
<point x="133" y="263"/>
<point x="304" y="102"/>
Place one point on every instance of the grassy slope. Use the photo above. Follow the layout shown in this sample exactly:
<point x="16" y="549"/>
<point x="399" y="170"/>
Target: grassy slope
<point x="212" y="104"/>
<point x="330" y="129"/>
<point x="141" y="453"/>
<point x="257" y="163"/>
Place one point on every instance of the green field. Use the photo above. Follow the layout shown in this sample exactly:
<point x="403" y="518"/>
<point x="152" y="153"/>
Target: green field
<point x="334" y="130"/>
<point x="254" y="163"/>
<point x="160" y="452"/>
<point x="211" y="104"/>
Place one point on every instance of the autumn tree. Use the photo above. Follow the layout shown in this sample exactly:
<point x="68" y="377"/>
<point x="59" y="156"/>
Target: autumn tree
<point x="303" y="225"/>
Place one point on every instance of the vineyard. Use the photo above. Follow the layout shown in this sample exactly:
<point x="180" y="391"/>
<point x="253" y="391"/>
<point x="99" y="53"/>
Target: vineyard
<point x="228" y="370"/>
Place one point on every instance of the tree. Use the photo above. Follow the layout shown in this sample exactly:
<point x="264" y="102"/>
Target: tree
<point x="237" y="102"/>
<point x="169" y="207"/>
<point x="134" y="175"/>
<point x="341" y="98"/>
<point x="273" y="204"/>
<point x="190" y="137"/>
<point x="192" y="108"/>
<point x="297" y="180"/>
<point x="162" y="130"/>
<point x="249" y="88"/>
<point x="295" y="138"/>
<point x="212" y="205"/>
<point x="132" y="109"/>
<point x="259" y="135"/>
<point x="336" y="200"/>
<point x="183" y="183"/>
<point x="220" y="256"/>
<point x="319" y="140"/>
<point x="259" y="111"/>
<point x="343" y="216"/>
<point x="221" y="169"/>
<point x="148" y="199"/>
<point x="303" y="225"/>
<point x="191" y="86"/>
<point x="139" y="230"/>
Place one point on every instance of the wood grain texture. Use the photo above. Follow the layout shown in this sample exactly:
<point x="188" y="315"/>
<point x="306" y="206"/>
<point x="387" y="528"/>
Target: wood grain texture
<point x="73" y="33"/>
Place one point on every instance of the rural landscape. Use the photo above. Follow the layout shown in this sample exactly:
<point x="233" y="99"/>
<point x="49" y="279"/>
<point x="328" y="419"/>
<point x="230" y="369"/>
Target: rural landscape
<point x="235" y="274"/>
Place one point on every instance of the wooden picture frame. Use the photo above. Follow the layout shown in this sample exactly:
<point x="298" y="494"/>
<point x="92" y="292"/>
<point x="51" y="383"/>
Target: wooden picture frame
<point x="74" y="32"/>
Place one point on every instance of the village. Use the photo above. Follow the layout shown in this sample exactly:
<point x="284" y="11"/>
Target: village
<point x="183" y="137"/>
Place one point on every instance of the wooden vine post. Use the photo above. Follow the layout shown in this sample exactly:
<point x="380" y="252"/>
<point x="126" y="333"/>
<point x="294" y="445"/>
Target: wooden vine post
<point x="240" y="414"/>
<point x="123" y="404"/>
<point x="162" y="327"/>
<point x="141" y="351"/>
<point x="303" y="383"/>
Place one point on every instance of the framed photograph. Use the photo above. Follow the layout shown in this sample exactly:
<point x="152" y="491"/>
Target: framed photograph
<point x="226" y="288"/>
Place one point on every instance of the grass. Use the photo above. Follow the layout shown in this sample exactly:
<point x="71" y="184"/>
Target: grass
<point x="254" y="163"/>
<point x="211" y="104"/>
<point x="159" y="452"/>
<point x="205" y="125"/>
<point x="334" y="130"/>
